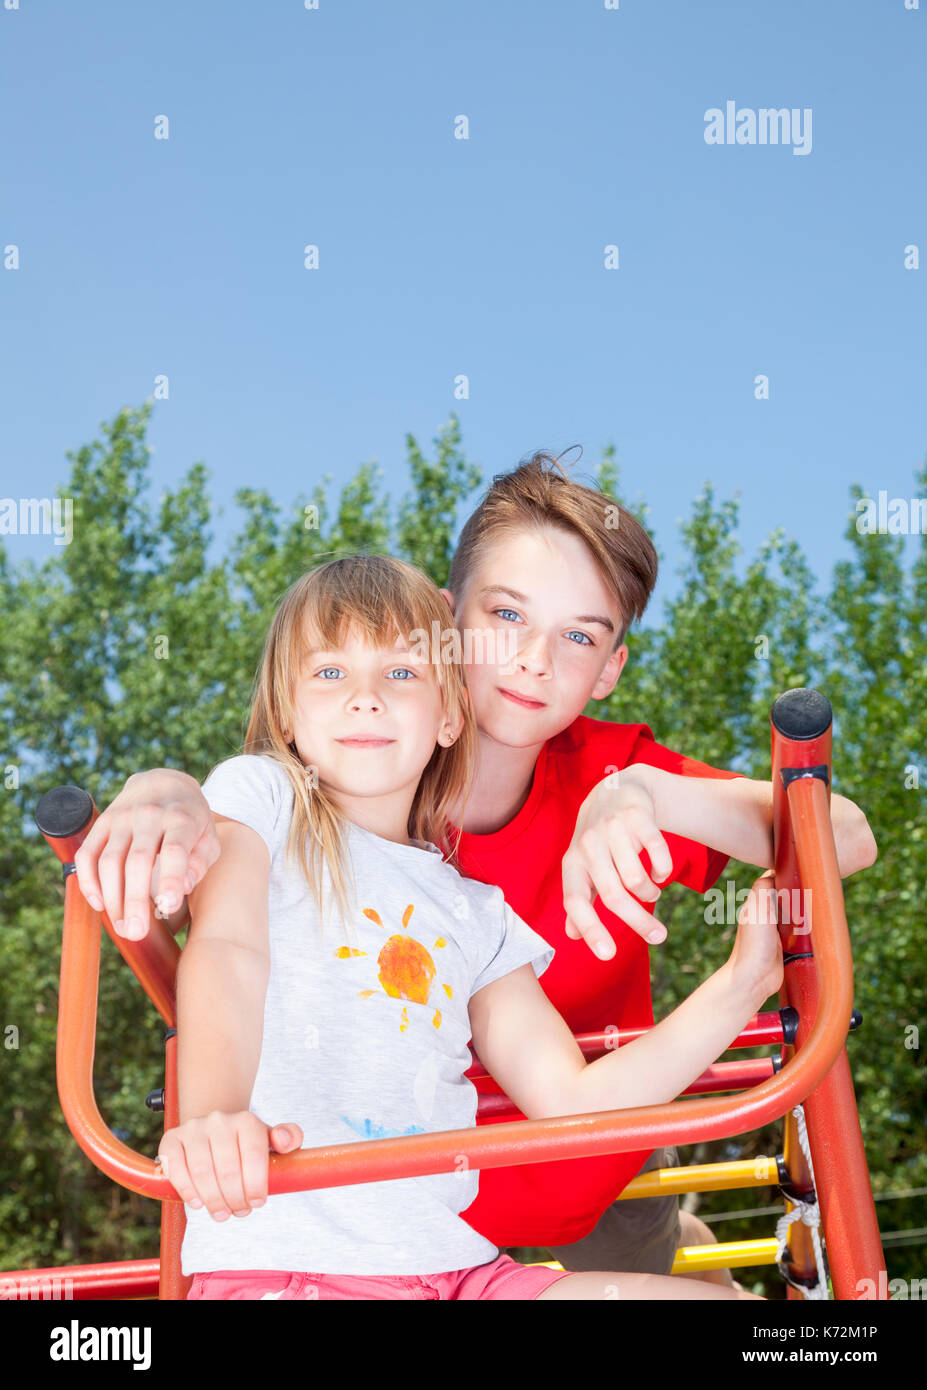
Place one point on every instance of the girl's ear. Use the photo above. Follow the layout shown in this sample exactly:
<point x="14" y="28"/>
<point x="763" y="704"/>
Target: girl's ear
<point x="451" y="730"/>
<point x="449" y="599"/>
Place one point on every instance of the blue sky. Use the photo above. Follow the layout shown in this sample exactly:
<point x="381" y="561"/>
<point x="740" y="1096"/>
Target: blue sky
<point x="440" y="256"/>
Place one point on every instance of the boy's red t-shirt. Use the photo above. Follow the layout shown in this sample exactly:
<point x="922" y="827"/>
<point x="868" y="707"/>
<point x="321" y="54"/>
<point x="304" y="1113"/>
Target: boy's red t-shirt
<point x="556" y="1203"/>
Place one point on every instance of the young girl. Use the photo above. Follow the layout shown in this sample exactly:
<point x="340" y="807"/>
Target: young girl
<point x="338" y="965"/>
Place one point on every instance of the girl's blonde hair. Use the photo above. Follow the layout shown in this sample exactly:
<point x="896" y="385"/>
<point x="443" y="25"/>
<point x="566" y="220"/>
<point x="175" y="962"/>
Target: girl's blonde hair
<point x="383" y="599"/>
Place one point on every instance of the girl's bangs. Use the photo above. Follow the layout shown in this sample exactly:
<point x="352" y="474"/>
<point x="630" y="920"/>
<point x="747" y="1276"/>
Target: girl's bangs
<point x="325" y="620"/>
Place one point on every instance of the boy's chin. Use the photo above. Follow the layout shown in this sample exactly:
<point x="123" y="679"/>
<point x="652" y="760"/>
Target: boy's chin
<point x="522" y="729"/>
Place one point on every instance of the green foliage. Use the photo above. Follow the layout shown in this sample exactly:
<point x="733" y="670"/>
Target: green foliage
<point x="129" y="649"/>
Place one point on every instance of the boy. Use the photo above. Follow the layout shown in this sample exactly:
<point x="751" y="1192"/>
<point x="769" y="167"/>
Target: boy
<point x="541" y="556"/>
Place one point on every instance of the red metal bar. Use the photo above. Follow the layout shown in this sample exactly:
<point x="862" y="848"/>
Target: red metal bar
<point x="118" y="1279"/>
<point x="762" y="1030"/>
<point x="153" y="960"/>
<point x="499" y="1145"/>
<point x="806" y="860"/>
<point x="732" y="1076"/>
<point x="174" y="1283"/>
<point x="721" y="1076"/>
<point x="799" y="1257"/>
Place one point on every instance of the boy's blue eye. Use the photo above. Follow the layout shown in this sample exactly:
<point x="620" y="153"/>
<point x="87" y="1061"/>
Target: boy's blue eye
<point x="586" y="642"/>
<point x="328" y="668"/>
<point x="407" y="670"/>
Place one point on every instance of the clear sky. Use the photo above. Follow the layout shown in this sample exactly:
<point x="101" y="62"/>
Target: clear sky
<point x="485" y="256"/>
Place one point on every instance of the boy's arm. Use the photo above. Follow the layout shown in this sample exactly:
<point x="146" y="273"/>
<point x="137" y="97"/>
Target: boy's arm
<point x="161" y="814"/>
<point x="524" y="1043"/>
<point x="624" y="815"/>
<point x="222" y="977"/>
<point x="735" y="815"/>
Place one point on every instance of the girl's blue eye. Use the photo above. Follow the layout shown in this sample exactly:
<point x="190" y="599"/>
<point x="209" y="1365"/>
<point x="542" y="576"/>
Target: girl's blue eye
<point x="505" y="610"/>
<point x="407" y="669"/>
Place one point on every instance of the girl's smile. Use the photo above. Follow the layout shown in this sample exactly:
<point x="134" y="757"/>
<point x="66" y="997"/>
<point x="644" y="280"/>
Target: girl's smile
<point x="362" y="741"/>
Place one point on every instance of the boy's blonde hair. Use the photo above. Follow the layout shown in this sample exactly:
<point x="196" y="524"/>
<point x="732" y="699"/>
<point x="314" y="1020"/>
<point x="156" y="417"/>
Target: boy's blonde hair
<point x="539" y="494"/>
<point x="384" y="599"/>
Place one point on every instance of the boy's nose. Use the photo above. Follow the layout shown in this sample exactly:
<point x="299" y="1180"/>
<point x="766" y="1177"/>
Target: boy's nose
<point x="534" y="659"/>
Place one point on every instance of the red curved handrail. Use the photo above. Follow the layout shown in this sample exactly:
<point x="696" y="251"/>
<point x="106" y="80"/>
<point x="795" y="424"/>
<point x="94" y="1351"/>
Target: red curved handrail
<point x="498" y="1145"/>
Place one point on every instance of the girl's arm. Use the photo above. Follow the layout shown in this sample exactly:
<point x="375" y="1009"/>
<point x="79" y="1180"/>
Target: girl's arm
<point x="222" y="978"/>
<point x="217" y="1156"/>
<point x="658" y="1066"/>
<point x="524" y="1043"/>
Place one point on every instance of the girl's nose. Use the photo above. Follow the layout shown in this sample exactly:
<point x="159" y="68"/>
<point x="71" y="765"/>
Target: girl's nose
<point x="369" y="702"/>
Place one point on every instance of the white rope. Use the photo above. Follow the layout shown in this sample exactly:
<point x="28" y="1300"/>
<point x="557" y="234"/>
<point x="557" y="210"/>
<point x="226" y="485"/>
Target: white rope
<point x="807" y="1212"/>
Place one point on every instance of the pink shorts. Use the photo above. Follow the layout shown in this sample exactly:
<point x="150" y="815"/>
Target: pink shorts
<point x="500" y="1278"/>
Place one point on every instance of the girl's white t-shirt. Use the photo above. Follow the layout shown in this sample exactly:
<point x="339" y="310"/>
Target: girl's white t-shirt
<point x="363" y="1042"/>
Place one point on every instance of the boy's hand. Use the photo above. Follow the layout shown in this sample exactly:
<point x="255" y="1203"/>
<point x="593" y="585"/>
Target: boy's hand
<point x="616" y="822"/>
<point x="158" y="815"/>
<point x="755" y="964"/>
<point x="221" y="1161"/>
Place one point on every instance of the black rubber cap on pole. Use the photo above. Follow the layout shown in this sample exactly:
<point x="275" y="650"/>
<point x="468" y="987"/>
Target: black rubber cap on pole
<point x="802" y="713"/>
<point x="63" y="811"/>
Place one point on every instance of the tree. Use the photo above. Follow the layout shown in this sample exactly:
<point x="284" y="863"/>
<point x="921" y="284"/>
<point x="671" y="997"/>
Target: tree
<point x="129" y="648"/>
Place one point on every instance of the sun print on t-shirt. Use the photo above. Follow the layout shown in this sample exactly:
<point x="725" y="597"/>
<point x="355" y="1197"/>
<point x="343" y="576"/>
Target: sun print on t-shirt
<point x="405" y="968"/>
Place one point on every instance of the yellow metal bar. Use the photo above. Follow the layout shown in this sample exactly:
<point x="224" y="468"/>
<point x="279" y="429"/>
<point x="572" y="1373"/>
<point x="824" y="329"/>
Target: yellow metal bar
<point x="702" y="1177"/>
<point x="732" y="1254"/>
